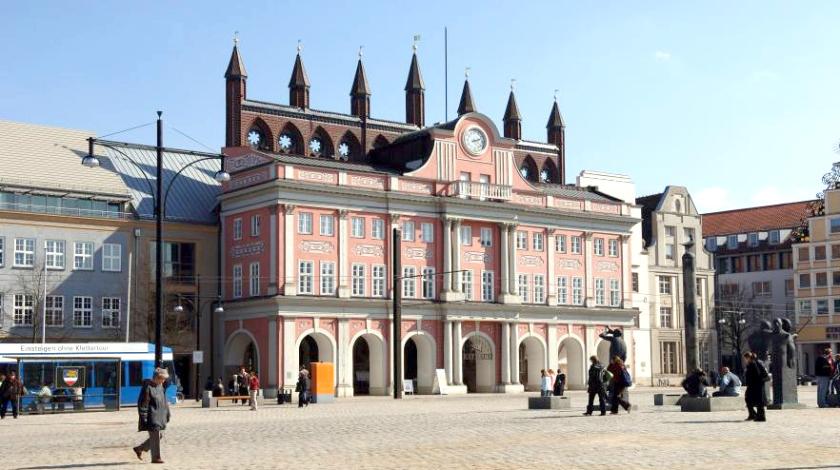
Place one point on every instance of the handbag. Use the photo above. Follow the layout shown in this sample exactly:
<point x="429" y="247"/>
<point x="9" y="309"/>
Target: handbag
<point x="625" y="377"/>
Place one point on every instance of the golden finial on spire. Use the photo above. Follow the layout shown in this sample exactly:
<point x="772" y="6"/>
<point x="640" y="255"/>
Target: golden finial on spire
<point x="299" y="46"/>
<point x="414" y="44"/>
<point x="236" y="38"/>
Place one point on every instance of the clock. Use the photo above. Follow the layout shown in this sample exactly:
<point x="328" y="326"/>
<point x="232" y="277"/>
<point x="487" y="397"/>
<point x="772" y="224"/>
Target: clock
<point x="474" y="140"/>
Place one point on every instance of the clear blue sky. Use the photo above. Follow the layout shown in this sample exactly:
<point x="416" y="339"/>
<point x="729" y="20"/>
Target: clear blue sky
<point x="738" y="101"/>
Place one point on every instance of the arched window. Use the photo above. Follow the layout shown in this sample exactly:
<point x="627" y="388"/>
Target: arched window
<point x="320" y="144"/>
<point x="290" y="140"/>
<point x="528" y="169"/>
<point x="548" y="174"/>
<point x="349" y="149"/>
<point x="677" y="206"/>
<point x="380" y="141"/>
<point x="259" y="135"/>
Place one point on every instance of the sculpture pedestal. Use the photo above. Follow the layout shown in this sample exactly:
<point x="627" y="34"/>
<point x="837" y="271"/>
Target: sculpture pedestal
<point x="549" y="403"/>
<point x="787" y="406"/>
<point x="710" y="404"/>
<point x="666" y="399"/>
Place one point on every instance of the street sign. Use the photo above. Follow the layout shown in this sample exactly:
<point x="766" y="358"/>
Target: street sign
<point x="198" y="357"/>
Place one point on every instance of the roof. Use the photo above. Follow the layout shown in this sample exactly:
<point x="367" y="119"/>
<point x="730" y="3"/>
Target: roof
<point x="43" y="158"/>
<point x="360" y="84"/>
<point x="649" y="204"/>
<point x="415" y="78"/>
<point x="299" y="77"/>
<point x="512" y="110"/>
<point x="755" y="219"/>
<point x="295" y="112"/>
<point x="466" y="105"/>
<point x="574" y="192"/>
<point x="555" y="119"/>
<point x="192" y="197"/>
<point x="235" y="67"/>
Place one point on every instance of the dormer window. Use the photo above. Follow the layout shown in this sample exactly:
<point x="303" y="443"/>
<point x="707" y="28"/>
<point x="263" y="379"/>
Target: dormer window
<point x="752" y="239"/>
<point x="732" y="242"/>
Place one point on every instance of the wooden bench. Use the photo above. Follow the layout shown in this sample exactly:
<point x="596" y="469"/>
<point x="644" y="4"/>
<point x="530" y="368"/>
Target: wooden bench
<point x="231" y="398"/>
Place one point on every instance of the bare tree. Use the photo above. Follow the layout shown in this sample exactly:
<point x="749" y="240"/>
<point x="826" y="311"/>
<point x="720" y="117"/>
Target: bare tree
<point x="30" y="284"/>
<point x="739" y="313"/>
<point x="830" y="180"/>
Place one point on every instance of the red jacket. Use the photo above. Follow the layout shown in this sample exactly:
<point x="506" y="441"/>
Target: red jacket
<point x="254" y="383"/>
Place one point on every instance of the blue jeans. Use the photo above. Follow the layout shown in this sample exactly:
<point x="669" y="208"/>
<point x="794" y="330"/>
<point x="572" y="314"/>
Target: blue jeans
<point x="822" y="391"/>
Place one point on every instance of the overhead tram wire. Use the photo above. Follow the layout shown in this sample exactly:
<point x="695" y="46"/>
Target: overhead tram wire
<point x="126" y="130"/>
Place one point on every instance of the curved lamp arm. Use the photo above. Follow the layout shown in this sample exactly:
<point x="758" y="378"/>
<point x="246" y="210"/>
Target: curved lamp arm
<point x="136" y="165"/>
<point x="169" y="185"/>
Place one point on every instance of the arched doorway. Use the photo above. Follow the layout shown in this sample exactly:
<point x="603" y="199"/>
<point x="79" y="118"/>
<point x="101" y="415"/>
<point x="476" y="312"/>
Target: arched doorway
<point x="531" y="361"/>
<point x="241" y="351"/>
<point x="478" y="365"/>
<point x="361" y="367"/>
<point x="604" y="352"/>
<point x="419" y="355"/>
<point x="571" y="361"/>
<point x="307" y="352"/>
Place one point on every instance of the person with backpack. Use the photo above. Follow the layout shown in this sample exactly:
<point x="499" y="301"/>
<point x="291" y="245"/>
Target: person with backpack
<point x="598" y="377"/>
<point x="756" y="396"/>
<point x="620" y="381"/>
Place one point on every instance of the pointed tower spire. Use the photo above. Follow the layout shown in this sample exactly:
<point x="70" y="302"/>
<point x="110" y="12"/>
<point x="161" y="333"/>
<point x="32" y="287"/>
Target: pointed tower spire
<point x="466" y="105"/>
<point x="235" y="87"/>
<point x="415" y="91"/>
<point x="299" y="83"/>
<point x="556" y="128"/>
<point x="512" y="120"/>
<point x="360" y="91"/>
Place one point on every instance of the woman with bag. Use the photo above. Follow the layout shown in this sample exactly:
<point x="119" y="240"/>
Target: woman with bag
<point x="756" y="396"/>
<point x="620" y="381"/>
<point x="559" y="383"/>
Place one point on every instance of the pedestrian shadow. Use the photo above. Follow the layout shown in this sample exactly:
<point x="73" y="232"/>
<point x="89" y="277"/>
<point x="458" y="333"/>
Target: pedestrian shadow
<point x="805" y="468"/>
<point x="713" y="422"/>
<point x="75" y="465"/>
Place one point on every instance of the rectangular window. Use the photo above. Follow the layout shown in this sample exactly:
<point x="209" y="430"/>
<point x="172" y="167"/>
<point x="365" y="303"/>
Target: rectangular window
<point x="665" y="317"/>
<point x="732" y="242"/>
<point x="83" y="256"/>
<point x="835" y="225"/>
<point x="326" y="225"/>
<point x="408" y="231"/>
<point x="805" y="307"/>
<point x="2" y="251"/>
<point x="576" y="245"/>
<point x="24" y="252"/>
<point x="427" y="232"/>
<point x="254" y="279"/>
<point x="522" y="287"/>
<point x="466" y="235"/>
<point x="562" y="290"/>
<point x="711" y="243"/>
<point x="521" y="240"/>
<point x="688" y="234"/>
<point x="55" y="254"/>
<point x="615" y="293"/>
<point x="836" y="305"/>
<point x="613" y="248"/>
<point x="487" y="286"/>
<point x="670" y="231"/>
<point x="358" y="280"/>
<point x="378" y="281"/>
<point x="55" y="310"/>
<point x="835" y="252"/>
<point x="110" y="312"/>
<point x="599" y="247"/>
<point x="669" y="251"/>
<point x="775" y="237"/>
<point x="560" y="243"/>
<point x="305" y="274"/>
<point x="256" y="225"/>
<point x="669" y="358"/>
<point x="600" y="292"/>
<point x="82" y="312"/>
<point x="804" y="254"/>
<point x="111" y="257"/>
<point x="577" y="291"/>
<point x="819" y="253"/>
<point x="305" y="223"/>
<point x="237" y="229"/>
<point x="835" y="278"/>
<point x="822" y="307"/>
<point x="327" y="278"/>
<point x="821" y="280"/>
<point x="428" y="283"/>
<point x="635" y="281"/>
<point x="771" y="261"/>
<point x="804" y="280"/>
<point x="24" y="308"/>
<point x="357" y="227"/>
<point x="237" y="281"/>
<point x="377" y="229"/>
<point x="486" y="237"/>
<point x="664" y="285"/>
<point x="409" y="282"/>
<point x="537" y="241"/>
<point x="467" y="284"/>
<point x="761" y="289"/>
<point x="788" y="287"/>
<point x="752" y="239"/>
<point x="539" y="289"/>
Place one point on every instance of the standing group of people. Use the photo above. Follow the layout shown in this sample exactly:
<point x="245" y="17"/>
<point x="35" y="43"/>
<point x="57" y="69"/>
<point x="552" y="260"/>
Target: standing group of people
<point x="828" y="379"/>
<point x="551" y="383"/>
<point x="11" y="389"/>
<point x="242" y="384"/>
<point x="608" y="384"/>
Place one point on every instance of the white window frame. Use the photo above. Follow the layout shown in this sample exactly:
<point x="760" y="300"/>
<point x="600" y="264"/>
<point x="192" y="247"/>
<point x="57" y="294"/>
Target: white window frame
<point x="408" y="231"/>
<point x="562" y="290"/>
<point x="237" y="229"/>
<point x="732" y="242"/>
<point x="612" y="248"/>
<point x="409" y="282"/>
<point x="427" y="232"/>
<point x="254" y="279"/>
<point x="467" y="284"/>
<point x="521" y="240"/>
<point x="2" y="251"/>
<point x="598" y="247"/>
<point x="237" y="281"/>
<point x="577" y="291"/>
<point x="774" y="237"/>
<point x="752" y="239"/>
<point x="832" y="227"/>
<point x="55" y="308"/>
<point x="306" y="273"/>
<point x="615" y="293"/>
<point x="485" y="237"/>
<point x="25" y="247"/>
<point x="576" y="245"/>
<point x="377" y="229"/>
<point x="23" y="305"/>
<point x="428" y="283"/>
<point x="488" y="287"/>
<point x="378" y="284"/>
<point x="357" y="227"/>
<point x="55" y="254"/>
<point x="537" y="241"/>
<point x="112" y="257"/>
<point x="522" y="287"/>
<point x="666" y="312"/>
<point x="256" y="225"/>
<point x="665" y="286"/>
<point x="670" y="251"/>
<point x="327" y="278"/>
<point x="466" y="235"/>
<point x="357" y="283"/>
<point x="600" y="292"/>
<point x="304" y="225"/>
<point x="560" y="243"/>
<point x="539" y="289"/>
<point x="83" y="261"/>
<point x="326" y="225"/>
<point x="82" y="311"/>
<point x="111" y="307"/>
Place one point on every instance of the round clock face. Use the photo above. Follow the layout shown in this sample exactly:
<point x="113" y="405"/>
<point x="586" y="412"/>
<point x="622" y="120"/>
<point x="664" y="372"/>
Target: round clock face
<point x="475" y="140"/>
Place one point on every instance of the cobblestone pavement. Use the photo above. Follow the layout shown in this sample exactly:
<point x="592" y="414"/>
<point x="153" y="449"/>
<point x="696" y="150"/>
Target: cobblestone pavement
<point x="477" y="431"/>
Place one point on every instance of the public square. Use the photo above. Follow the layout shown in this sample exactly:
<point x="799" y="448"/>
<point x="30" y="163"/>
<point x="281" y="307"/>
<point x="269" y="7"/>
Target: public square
<point x="473" y="431"/>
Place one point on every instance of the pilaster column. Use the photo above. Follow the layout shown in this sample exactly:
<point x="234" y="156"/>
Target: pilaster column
<point x="551" y="283"/>
<point x="506" y="353"/>
<point x="626" y="273"/>
<point x="456" y="255"/>
<point x="514" y="353"/>
<point x="511" y="275"/>
<point x="588" y="283"/>
<point x="504" y="256"/>
<point x="345" y="382"/>
<point x="290" y="283"/>
<point x="459" y="355"/>
<point x="273" y="356"/>
<point x="290" y="354"/>
<point x="272" y="251"/>
<point x="447" y="255"/>
<point x="447" y="351"/>
<point x="343" y="274"/>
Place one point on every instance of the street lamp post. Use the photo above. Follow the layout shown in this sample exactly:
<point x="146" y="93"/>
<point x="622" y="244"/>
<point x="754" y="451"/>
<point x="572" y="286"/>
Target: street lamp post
<point x="159" y="197"/>
<point x="198" y="307"/>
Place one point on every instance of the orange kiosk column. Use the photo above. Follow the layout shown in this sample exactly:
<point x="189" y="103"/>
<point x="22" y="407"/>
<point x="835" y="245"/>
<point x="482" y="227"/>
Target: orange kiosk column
<point x="323" y="382"/>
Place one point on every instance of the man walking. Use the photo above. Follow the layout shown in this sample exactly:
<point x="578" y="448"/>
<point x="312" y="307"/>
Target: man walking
<point x="10" y="392"/>
<point x="153" y="411"/>
<point x="824" y="370"/>
<point x="253" y="388"/>
<point x="595" y="387"/>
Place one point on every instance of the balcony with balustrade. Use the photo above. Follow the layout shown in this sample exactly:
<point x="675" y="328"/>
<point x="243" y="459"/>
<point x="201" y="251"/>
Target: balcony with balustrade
<point x="481" y="191"/>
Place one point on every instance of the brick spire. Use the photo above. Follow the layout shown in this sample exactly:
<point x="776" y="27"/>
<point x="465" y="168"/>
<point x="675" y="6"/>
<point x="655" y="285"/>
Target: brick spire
<point x="235" y="68"/>
<point x="415" y="94"/>
<point x="235" y="87"/>
<point x="467" y="105"/>
<point x="360" y="91"/>
<point x="556" y="128"/>
<point x="299" y="83"/>
<point x="512" y="120"/>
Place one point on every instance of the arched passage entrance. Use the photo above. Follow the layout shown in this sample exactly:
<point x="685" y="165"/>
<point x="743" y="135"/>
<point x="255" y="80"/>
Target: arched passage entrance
<point x="315" y="347"/>
<point x="571" y="361"/>
<point x="478" y="365"/>
<point x="419" y="354"/>
<point x="368" y="361"/>
<point x="531" y="361"/>
<point x="241" y="351"/>
<point x="604" y="353"/>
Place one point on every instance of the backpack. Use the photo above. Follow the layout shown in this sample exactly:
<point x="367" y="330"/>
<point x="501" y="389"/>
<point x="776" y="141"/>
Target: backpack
<point x="606" y="376"/>
<point x="625" y="377"/>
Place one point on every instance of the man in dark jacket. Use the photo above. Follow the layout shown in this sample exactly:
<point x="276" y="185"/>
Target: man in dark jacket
<point x="595" y="387"/>
<point x="695" y="384"/>
<point x="823" y="369"/>
<point x="153" y="411"/>
<point x="303" y="388"/>
<point x="10" y="391"/>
